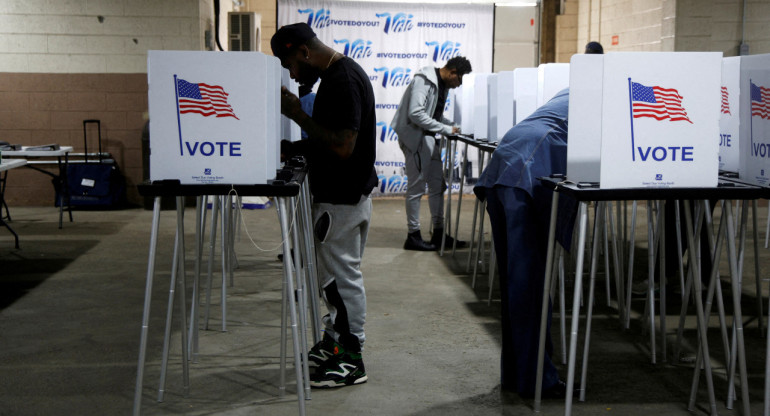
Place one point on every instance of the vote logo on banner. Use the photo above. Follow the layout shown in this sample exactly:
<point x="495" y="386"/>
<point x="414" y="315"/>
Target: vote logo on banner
<point x="444" y="51"/>
<point x="397" y="22"/>
<point x="317" y="19"/>
<point x="355" y="48"/>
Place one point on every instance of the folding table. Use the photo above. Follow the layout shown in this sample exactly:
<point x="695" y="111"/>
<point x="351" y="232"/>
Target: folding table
<point x="483" y="146"/>
<point x="5" y="166"/>
<point x="586" y="192"/>
<point x="286" y="187"/>
<point x="45" y="156"/>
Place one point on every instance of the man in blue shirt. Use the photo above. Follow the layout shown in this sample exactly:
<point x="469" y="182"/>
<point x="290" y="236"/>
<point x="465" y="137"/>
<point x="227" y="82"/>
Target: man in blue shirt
<point x="519" y="209"/>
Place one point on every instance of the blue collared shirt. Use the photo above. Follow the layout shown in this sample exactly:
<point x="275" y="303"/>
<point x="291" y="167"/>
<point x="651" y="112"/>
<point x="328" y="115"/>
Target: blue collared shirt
<point x="535" y="147"/>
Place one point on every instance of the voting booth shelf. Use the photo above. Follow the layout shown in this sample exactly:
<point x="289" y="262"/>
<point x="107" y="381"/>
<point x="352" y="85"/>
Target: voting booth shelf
<point x="289" y="185"/>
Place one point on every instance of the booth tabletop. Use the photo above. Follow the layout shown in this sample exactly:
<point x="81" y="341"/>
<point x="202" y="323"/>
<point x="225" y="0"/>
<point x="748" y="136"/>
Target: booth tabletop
<point x="484" y="145"/>
<point x="32" y="151"/>
<point x="286" y="184"/>
<point x="7" y="164"/>
<point x="589" y="191"/>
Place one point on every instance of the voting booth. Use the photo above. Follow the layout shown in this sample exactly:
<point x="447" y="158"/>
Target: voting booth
<point x="755" y="119"/>
<point x="465" y="101"/>
<point x="480" y="105"/>
<point x="658" y="119"/>
<point x="524" y="92"/>
<point x="729" y="118"/>
<point x="585" y="127"/>
<point x="289" y="129"/>
<point x="501" y="112"/>
<point x="214" y="116"/>
<point x="551" y="78"/>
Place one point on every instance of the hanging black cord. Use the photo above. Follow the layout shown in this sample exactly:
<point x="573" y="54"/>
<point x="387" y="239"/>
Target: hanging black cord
<point x="216" y="24"/>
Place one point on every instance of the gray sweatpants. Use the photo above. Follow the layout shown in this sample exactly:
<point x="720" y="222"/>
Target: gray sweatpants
<point x="340" y="236"/>
<point x="424" y="167"/>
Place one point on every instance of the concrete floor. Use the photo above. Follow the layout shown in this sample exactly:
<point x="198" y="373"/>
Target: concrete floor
<point x="71" y="313"/>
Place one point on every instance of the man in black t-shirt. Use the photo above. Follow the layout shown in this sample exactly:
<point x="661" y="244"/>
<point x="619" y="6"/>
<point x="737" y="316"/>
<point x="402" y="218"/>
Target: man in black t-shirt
<point x="340" y="151"/>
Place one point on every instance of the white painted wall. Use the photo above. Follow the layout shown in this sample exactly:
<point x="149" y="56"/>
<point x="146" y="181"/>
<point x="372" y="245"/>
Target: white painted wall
<point x="515" y="38"/>
<point x="100" y="36"/>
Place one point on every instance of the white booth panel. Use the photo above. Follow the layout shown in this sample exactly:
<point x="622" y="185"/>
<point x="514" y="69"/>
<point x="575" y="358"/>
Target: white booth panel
<point x="755" y="120"/>
<point x="729" y="120"/>
<point x="503" y="105"/>
<point x="289" y="129"/>
<point x="660" y="118"/>
<point x="524" y="92"/>
<point x="480" y="106"/>
<point x="585" y="114"/>
<point x="214" y="116"/>
<point x="551" y="78"/>
<point x="466" y="102"/>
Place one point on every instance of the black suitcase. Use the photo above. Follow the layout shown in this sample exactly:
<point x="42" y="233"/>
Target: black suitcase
<point x="96" y="182"/>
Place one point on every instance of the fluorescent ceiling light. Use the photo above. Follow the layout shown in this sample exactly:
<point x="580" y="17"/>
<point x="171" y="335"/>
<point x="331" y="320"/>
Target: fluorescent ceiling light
<point x="513" y="4"/>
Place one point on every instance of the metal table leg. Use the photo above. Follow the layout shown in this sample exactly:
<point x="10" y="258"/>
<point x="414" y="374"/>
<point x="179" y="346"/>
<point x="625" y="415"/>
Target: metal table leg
<point x="289" y="292"/>
<point x="544" y="309"/>
<point x="146" y="313"/>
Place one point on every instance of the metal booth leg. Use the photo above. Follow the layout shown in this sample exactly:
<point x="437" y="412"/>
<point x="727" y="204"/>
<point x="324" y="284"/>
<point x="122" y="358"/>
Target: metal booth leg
<point x="147" y="302"/>
<point x="576" y="308"/>
<point x="544" y="308"/>
<point x="212" y="247"/>
<point x="460" y="198"/>
<point x="289" y="292"/>
<point x="177" y="281"/>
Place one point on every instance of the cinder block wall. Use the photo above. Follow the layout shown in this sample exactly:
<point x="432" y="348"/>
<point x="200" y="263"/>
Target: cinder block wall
<point x="674" y="25"/>
<point x="269" y="13"/>
<point x="566" y="32"/>
<point x="43" y="108"/>
<point x="65" y="61"/>
<point x="637" y="25"/>
<point x="717" y="25"/>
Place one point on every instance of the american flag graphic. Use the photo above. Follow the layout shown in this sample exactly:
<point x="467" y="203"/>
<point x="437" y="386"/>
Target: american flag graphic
<point x="204" y="99"/>
<point x="657" y="102"/>
<point x="760" y="98"/>
<point x="725" y="101"/>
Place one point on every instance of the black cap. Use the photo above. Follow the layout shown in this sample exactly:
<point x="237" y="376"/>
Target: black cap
<point x="594" y="47"/>
<point x="289" y="37"/>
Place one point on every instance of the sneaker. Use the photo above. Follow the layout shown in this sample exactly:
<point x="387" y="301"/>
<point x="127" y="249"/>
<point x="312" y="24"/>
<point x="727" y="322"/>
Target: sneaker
<point x="321" y="352"/>
<point x="415" y="242"/>
<point x="345" y="369"/>
<point x="448" y="240"/>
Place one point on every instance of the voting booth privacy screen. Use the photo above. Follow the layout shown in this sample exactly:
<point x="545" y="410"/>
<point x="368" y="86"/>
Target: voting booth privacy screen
<point x="658" y="123"/>
<point x="729" y="118"/>
<point x="755" y="119"/>
<point x="214" y="116"/>
<point x="392" y="42"/>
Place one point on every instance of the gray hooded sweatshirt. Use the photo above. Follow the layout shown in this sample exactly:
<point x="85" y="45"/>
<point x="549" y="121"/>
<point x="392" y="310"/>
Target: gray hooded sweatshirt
<point x="414" y="115"/>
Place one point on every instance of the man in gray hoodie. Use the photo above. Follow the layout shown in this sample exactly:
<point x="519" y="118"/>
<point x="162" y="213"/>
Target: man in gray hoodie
<point x="417" y="121"/>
